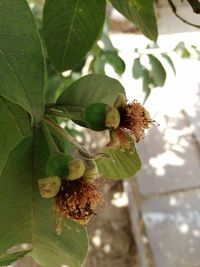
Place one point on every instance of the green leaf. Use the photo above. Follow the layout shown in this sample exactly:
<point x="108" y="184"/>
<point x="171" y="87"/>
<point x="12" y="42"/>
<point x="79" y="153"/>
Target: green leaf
<point x="124" y="164"/>
<point x="170" y="62"/>
<point x="25" y="217"/>
<point x="58" y="165"/>
<point x="97" y="65"/>
<point x="92" y="88"/>
<point x="15" y="125"/>
<point x="7" y="259"/>
<point x="182" y="50"/>
<point x="21" y="58"/>
<point x="115" y="61"/>
<point x="70" y="29"/>
<point x="141" y="13"/>
<point x="138" y="69"/>
<point x="146" y="84"/>
<point x="16" y="198"/>
<point x="157" y="72"/>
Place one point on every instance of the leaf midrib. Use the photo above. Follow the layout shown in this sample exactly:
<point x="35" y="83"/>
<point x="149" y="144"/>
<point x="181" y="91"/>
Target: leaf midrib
<point x="69" y="33"/>
<point x="18" y="80"/>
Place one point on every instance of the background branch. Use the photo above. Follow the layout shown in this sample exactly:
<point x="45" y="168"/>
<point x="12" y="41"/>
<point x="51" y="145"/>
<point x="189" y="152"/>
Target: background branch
<point x="195" y="4"/>
<point x="178" y="16"/>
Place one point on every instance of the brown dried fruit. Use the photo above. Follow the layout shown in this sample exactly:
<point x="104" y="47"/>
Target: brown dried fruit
<point x="77" y="200"/>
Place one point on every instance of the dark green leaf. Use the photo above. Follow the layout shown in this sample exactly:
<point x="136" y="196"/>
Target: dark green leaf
<point x="170" y="62"/>
<point x="92" y="88"/>
<point x="70" y="29"/>
<point x="7" y="259"/>
<point x="16" y="198"/>
<point x="21" y="58"/>
<point x="157" y="72"/>
<point x="58" y="165"/>
<point x="115" y="61"/>
<point x="124" y="164"/>
<point x="15" y="125"/>
<point x="138" y="69"/>
<point x="141" y="13"/>
<point x="25" y="217"/>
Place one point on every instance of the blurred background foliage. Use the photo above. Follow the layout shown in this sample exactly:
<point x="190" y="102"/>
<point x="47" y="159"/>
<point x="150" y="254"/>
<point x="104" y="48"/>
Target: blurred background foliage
<point x="149" y="65"/>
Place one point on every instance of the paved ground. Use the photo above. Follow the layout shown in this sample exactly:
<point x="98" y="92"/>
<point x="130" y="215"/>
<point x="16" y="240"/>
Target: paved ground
<point x="168" y="186"/>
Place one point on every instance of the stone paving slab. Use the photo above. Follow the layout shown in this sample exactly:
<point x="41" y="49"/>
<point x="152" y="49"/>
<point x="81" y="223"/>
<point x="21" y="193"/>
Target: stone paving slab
<point x="173" y="227"/>
<point x="170" y="158"/>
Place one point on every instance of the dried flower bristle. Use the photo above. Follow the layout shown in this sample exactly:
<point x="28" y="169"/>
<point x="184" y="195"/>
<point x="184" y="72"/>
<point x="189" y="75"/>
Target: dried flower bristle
<point x="134" y="119"/>
<point x="119" y="139"/>
<point x="77" y="200"/>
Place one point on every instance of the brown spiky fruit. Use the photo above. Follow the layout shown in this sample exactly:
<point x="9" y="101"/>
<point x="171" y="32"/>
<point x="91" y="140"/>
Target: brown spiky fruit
<point x="77" y="200"/>
<point x="134" y="119"/>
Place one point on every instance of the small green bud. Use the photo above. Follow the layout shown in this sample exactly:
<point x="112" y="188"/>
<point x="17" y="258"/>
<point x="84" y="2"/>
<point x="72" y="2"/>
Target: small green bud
<point x="91" y="174"/>
<point x="112" y="117"/>
<point x="76" y="169"/>
<point x="120" y="101"/>
<point x="49" y="186"/>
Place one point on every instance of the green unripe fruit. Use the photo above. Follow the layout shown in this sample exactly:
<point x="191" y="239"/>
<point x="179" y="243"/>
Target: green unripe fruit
<point x="49" y="186"/>
<point x="76" y="169"/>
<point x="95" y="116"/>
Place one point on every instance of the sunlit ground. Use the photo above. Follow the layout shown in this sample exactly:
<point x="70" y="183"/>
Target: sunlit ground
<point x="170" y="176"/>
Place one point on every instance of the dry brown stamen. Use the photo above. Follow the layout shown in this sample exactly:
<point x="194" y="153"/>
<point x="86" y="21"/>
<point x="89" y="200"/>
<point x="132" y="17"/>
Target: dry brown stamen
<point x="135" y="119"/>
<point x="77" y="200"/>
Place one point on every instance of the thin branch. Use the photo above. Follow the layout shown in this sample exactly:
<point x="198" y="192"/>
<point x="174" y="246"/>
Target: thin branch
<point x="195" y="6"/>
<point x="82" y="150"/>
<point x="178" y="16"/>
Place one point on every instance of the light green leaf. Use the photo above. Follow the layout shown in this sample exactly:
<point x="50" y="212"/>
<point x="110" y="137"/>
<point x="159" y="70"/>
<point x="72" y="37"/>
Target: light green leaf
<point x="92" y="88"/>
<point x="141" y="13"/>
<point x="7" y="259"/>
<point x="138" y="69"/>
<point x="25" y="217"/>
<point x="115" y="61"/>
<point x="170" y="62"/>
<point x="21" y="58"/>
<point x="15" y="125"/>
<point x="70" y="29"/>
<point x="157" y="72"/>
<point x="97" y="66"/>
<point x="182" y="50"/>
<point x="125" y="164"/>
